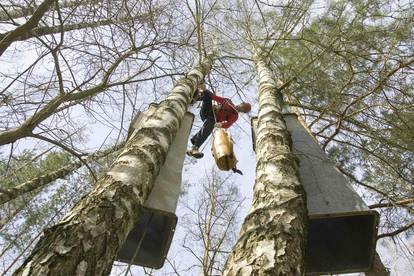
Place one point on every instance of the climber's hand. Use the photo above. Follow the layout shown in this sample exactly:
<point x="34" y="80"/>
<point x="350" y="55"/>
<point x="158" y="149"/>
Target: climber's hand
<point x="218" y="125"/>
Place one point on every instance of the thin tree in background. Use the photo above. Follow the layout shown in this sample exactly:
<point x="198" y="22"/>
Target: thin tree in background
<point x="48" y="30"/>
<point x="210" y="221"/>
<point x="33" y="184"/>
<point x="16" y="9"/>
<point x="24" y="168"/>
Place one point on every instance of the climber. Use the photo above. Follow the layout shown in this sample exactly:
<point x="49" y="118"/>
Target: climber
<point x="225" y="114"/>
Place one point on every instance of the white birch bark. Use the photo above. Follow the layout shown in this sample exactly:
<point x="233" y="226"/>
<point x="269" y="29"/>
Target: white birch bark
<point x="272" y="238"/>
<point x="86" y="240"/>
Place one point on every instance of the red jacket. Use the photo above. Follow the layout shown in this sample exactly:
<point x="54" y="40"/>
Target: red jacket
<point x="225" y="111"/>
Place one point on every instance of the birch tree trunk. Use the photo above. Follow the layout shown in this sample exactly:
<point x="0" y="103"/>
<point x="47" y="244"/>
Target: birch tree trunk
<point x="87" y="239"/>
<point x="272" y="238"/>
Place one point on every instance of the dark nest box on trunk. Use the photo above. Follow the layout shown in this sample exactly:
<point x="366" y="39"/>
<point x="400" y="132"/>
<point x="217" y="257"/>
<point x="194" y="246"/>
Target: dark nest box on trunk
<point x="342" y="230"/>
<point x="149" y="241"/>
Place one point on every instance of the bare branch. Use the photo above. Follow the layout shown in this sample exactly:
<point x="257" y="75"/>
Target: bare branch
<point x="12" y="36"/>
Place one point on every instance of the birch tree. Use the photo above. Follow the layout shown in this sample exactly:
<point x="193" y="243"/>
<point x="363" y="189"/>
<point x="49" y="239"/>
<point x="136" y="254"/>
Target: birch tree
<point x="358" y="75"/>
<point x="357" y="97"/>
<point x="272" y="238"/>
<point x="87" y="239"/>
<point x="344" y="65"/>
<point x="80" y="61"/>
<point x="24" y="167"/>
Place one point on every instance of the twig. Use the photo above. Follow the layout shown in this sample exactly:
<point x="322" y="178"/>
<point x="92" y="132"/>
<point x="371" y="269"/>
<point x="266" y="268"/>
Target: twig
<point x="396" y="232"/>
<point x="400" y="203"/>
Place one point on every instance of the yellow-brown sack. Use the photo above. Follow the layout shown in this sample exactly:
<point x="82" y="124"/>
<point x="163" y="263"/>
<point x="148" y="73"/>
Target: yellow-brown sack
<point x="222" y="149"/>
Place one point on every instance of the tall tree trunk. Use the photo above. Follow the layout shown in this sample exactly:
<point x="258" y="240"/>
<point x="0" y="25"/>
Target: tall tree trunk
<point x="87" y="239"/>
<point x="40" y="181"/>
<point x="272" y="238"/>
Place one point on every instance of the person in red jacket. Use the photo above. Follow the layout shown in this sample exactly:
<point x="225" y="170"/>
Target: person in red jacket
<point x="225" y="114"/>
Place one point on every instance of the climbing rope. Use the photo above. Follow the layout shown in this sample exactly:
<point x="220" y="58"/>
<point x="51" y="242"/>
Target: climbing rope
<point x="131" y="262"/>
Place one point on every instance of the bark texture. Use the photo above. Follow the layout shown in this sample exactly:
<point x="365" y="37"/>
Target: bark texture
<point x="35" y="183"/>
<point x="272" y="238"/>
<point x="87" y="239"/>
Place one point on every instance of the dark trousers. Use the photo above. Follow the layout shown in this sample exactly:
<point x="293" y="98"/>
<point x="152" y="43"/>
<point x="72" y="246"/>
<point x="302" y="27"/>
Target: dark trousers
<point x="207" y="115"/>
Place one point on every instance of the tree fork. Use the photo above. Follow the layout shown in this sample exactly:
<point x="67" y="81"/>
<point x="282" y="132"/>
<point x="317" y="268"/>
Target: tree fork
<point x="13" y="13"/>
<point x="273" y="235"/>
<point x="26" y="27"/>
<point x="87" y="239"/>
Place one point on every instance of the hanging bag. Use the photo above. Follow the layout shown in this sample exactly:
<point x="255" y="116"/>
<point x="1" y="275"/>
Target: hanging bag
<point x="222" y="149"/>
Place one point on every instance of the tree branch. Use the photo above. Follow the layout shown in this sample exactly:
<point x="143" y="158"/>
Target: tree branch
<point x="399" y="203"/>
<point x="26" y="128"/>
<point x="396" y="232"/>
<point x="12" y="36"/>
